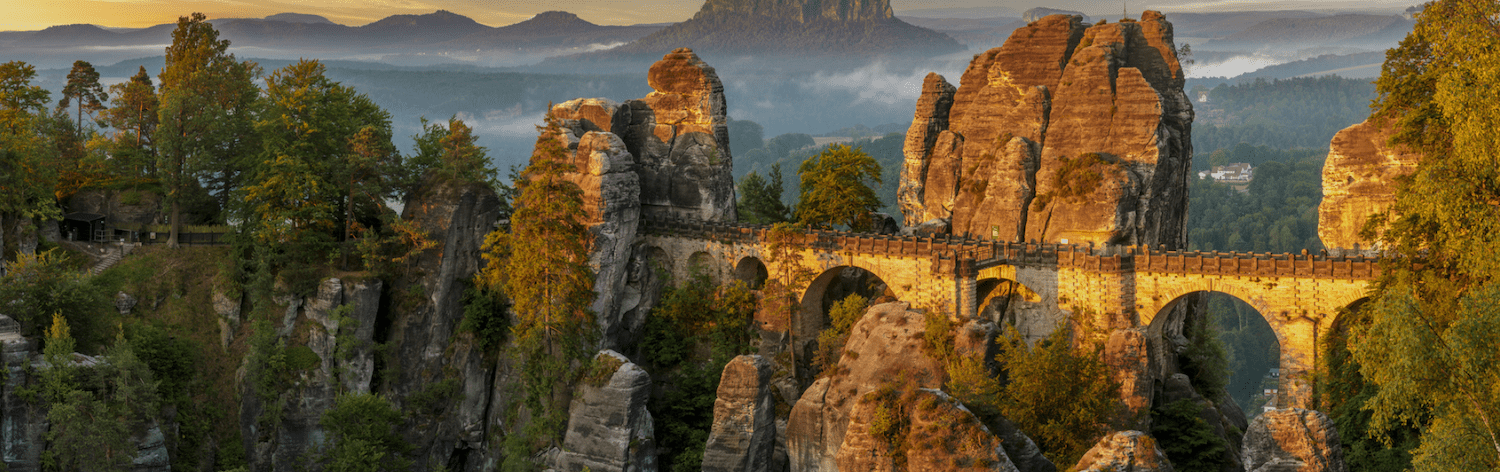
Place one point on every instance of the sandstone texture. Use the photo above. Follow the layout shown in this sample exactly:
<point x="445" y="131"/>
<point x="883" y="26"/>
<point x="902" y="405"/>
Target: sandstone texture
<point x="941" y="435"/>
<point x="1064" y="132"/>
<point x="665" y="155"/>
<point x="1293" y="440"/>
<point x="1359" y="181"/>
<point x="119" y="206"/>
<point x="884" y="363"/>
<point x="609" y="428"/>
<point x="743" y="438"/>
<point x="1124" y="451"/>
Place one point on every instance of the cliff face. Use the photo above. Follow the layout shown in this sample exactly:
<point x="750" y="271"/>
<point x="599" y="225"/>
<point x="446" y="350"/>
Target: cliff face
<point x="1359" y="181"/>
<point x="1064" y="132"/>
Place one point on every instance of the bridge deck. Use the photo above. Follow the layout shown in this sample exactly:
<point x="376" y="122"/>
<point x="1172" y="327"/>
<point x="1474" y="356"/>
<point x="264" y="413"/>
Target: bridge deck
<point x="949" y="252"/>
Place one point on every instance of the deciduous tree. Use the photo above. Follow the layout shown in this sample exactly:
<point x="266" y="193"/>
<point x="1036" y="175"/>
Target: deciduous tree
<point x="836" y="189"/>
<point x="133" y="115"/>
<point x="1434" y="319"/>
<point x="27" y="178"/>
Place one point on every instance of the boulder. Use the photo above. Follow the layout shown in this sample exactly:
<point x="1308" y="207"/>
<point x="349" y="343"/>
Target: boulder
<point x="609" y="428"/>
<point x="743" y="437"/>
<point x="940" y="434"/>
<point x="1124" y="451"/>
<point x="124" y="303"/>
<point x="1359" y="180"/>
<point x="884" y="346"/>
<point x="1293" y="440"/>
<point x="1129" y="358"/>
<point x="1064" y="132"/>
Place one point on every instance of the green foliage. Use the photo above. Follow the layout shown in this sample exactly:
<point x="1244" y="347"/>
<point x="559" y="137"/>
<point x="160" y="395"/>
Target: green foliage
<point x="1277" y="213"/>
<point x="93" y="410"/>
<point x="362" y="428"/>
<point x="1346" y="392"/>
<point x="1302" y="112"/>
<point x="841" y="317"/>
<point x="301" y="358"/>
<point x="204" y="115"/>
<point x="36" y="286"/>
<point x="541" y="264"/>
<point x="434" y="397"/>
<point x="448" y="151"/>
<point x="692" y="319"/>
<point x="1206" y="358"/>
<point x="1251" y="348"/>
<point x="1059" y="394"/>
<point x="83" y="86"/>
<point x="760" y="198"/>
<point x="485" y="316"/>
<point x="1190" y="443"/>
<point x="27" y="176"/>
<point x="745" y="135"/>
<point x="890" y="422"/>
<point x="835" y="189"/>
<point x="1435" y="313"/>
<point x="1075" y="178"/>
<point x="938" y="336"/>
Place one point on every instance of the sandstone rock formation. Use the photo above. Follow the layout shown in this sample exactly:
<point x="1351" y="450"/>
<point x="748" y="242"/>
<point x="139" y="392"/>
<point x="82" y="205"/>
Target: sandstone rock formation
<point x="1131" y="451"/>
<point x="23" y="422"/>
<point x="609" y="428"/>
<point x="1293" y="439"/>
<point x="342" y="340"/>
<point x="828" y="429"/>
<point x="118" y="206"/>
<point x="941" y="435"/>
<point x="678" y="135"/>
<point x="743" y="438"/>
<point x="1064" y="132"/>
<point x="423" y="337"/>
<point x="1359" y="181"/>
<point x="665" y="155"/>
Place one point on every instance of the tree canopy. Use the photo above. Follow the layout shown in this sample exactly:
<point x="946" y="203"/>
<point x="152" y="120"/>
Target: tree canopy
<point x="1434" y="317"/>
<point x="836" y="188"/>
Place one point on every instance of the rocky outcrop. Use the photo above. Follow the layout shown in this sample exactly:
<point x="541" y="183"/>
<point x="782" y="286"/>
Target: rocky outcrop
<point x="129" y="206"/>
<point x="426" y="353"/>
<point x="1128" y="355"/>
<point x="1223" y="416"/>
<point x="930" y="121"/>
<point x="743" y="438"/>
<point x="336" y="324"/>
<point x="1131" y="451"/>
<point x="1359" y="181"/>
<point x="889" y="339"/>
<point x="940" y="434"/>
<point x="828" y="429"/>
<point x="1064" y="132"/>
<point x="22" y="422"/>
<point x="1293" y="440"/>
<point x="665" y="155"/>
<point x="609" y="428"/>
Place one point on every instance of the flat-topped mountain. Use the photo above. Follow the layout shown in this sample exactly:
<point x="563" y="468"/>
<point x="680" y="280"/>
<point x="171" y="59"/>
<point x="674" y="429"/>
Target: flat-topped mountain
<point x="793" y="27"/>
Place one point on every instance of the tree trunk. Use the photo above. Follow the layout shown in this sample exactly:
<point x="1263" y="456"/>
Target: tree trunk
<point x="176" y="224"/>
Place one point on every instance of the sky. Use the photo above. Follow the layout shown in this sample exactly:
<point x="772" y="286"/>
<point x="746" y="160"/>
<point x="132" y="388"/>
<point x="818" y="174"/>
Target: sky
<point x="26" y="15"/>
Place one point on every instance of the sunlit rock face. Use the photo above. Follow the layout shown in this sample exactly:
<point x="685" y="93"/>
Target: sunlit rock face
<point x="1064" y="132"/>
<point x="1359" y="180"/>
<point x="1293" y="439"/>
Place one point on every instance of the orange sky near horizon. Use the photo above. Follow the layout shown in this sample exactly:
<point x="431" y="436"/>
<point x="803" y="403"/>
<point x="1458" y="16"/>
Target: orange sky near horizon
<point x="30" y="15"/>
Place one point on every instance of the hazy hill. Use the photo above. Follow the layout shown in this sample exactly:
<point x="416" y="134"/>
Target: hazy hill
<point x="1220" y="24"/>
<point x="793" y="28"/>
<point x="555" y="28"/>
<point x="978" y="33"/>
<point x="298" y="18"/>
<point x="1349" y="29"/>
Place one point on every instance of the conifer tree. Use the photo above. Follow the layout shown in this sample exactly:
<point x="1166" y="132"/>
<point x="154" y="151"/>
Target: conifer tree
<point x="133" y="116"/>
<point x="542" y="265"/>
<point x="83" y="86"/>
<point x="205" y="114"/>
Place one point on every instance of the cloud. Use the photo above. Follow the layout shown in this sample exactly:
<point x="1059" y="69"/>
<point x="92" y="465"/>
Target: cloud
<point x="872" y="83"/>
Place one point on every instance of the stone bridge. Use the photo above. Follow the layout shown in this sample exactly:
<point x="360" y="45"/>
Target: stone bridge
<point x="1299" y="295"/>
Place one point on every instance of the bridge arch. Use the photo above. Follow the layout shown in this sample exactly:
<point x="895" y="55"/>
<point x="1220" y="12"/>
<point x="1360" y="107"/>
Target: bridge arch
<point x="1255" y="344"/>
<point x="833" y="285"/>
<point x="701" y="263"/>
<point x="752" y="271"/>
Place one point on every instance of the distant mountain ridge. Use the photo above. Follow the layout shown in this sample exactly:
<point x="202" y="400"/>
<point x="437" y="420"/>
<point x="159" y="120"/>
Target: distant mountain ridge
<point x="804" y="28"/>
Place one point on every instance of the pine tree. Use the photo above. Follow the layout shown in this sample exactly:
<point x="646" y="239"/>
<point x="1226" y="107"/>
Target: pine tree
<point x="83" y="86"/>
<point x="204" y="131"/>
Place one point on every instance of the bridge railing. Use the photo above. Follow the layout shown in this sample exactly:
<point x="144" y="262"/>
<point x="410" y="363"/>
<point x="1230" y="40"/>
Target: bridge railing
<point x="948" y="251"/>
